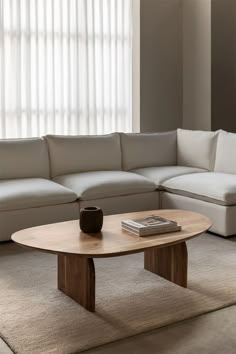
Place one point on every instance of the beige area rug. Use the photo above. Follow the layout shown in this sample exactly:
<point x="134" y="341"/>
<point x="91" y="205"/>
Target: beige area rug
<point x="36" y="318"/>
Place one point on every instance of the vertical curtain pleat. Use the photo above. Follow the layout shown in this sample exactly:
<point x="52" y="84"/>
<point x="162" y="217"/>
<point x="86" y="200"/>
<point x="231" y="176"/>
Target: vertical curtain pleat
<point x="68" y="70"/>
<point x="94" y="122"/>
<point x="109" y="52"/>
<point x="37" y="83"/>
<point x="65" y="67"/>
<point x="128" y="123"/>
<point x="116" y="115"/>
<point x="45" y="84"/>
<point x="86" y="67"/>
<point x="53" y="70"/>
<point x="28" y="70"/>
<point x="18" y="111"/>
<point x="122" y="68"/>
<point x="101" y="67"/>
<point x="77" y="76"/>
<point x="2" y="71"/>
<point x="61" y="108"/>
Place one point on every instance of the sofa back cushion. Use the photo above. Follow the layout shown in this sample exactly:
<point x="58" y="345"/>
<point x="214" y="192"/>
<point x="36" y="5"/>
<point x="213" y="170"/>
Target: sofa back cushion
<point x="196" y="148"/>
<point x="23" y="158"/>
<point x="82" y="153"/>
<point x="148" y="150"/>
<point x="226" y="147"/>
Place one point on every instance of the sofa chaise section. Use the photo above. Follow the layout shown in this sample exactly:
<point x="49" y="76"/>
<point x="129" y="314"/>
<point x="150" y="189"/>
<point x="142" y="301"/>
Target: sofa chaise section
<point x="222" y="217"/>
<point x="213" y="187"/>
<point x="212" y="193"/>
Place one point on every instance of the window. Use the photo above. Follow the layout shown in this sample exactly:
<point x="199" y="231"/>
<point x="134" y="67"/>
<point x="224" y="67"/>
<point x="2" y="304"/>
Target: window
<point x="65" y="67"/>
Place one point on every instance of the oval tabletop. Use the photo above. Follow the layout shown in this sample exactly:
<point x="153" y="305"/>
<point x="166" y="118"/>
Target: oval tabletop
<point x="67" y="238"/>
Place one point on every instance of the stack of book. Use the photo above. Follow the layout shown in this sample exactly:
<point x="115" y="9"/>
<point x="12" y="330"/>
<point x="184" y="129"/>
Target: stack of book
<point x="151" y="225"/>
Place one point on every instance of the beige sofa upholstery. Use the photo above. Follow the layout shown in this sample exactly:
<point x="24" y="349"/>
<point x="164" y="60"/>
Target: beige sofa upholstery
<point x="23" y="158"/>
<point x="105" y="184"/>
<point x="222" y="218"/>
<point x="160" y="174"/>
<point x="45" y="180"/>
<point x="125" y="203"/>
<point x="147" y="150"/>
<point x="196" y="148"/>
<point x="18" y="219"/>
<point x="27" y="196"/>
<point x="213" y="187"/>
<point x="75" y="154"/>
<point x="32" y="192"/>
<point x="225" y="153"/>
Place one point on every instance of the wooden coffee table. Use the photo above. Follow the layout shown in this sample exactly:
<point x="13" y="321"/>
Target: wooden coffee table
<point x="165" y="255"/>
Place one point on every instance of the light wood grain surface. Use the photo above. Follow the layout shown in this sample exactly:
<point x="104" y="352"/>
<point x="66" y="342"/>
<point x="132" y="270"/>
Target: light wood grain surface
<point x="165" y="254"/>
<point x="67" y="238"/>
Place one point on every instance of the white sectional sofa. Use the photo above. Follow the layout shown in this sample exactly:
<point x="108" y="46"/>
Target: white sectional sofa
<point x="46" y="180"/>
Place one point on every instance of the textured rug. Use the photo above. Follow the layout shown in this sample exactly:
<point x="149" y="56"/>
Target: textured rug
<point x="36" y="318"/>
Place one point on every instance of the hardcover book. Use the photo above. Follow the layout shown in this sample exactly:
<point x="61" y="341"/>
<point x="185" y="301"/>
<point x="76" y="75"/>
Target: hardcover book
<point x="150" y="225"/>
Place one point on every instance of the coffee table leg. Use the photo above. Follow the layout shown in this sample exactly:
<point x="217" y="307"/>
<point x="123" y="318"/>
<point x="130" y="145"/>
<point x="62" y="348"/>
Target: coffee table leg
<point x="169" y="262"/>
<point x="76" y="278"/>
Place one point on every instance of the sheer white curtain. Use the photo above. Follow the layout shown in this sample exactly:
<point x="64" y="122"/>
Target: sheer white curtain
<point x="65" y="67"/>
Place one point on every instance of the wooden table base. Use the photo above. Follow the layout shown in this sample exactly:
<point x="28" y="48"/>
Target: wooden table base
<point x="76" y="278"/>
<point x="76" y="275"/>
<point x="170" y="263"/>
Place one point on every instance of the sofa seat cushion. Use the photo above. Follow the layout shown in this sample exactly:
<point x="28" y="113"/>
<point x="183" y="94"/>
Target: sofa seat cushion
<point x="213" y="187"/>
<point x="103" y="184"/>
<point x="160" y="174"/>
<point x="32" y="192"/>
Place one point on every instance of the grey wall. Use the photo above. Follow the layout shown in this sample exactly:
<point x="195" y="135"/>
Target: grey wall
<point x="188" y="64"/>
<point x="161" y="65"/>
<point x="197" y="64"/>
<point x="224" y="65"/>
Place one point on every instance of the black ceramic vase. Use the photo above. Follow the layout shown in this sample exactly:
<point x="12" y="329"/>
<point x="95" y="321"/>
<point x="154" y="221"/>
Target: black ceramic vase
<point x="91" y="219"/>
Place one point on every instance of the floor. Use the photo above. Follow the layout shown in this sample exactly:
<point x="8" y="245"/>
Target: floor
<point x="212" y="333"/>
